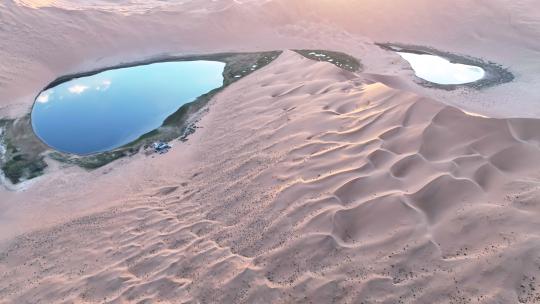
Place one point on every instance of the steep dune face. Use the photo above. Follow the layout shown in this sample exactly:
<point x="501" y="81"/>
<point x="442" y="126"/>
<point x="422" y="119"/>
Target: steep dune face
<point x="311" y="184"/>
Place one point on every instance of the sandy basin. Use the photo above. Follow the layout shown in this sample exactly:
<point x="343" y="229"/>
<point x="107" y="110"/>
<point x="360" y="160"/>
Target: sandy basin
<point x="306" y="182"/>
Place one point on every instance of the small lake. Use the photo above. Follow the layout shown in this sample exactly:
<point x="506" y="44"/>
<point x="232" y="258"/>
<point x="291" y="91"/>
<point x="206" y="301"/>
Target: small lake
<point x="441" y="71"/>
<point x="107" y="110"/>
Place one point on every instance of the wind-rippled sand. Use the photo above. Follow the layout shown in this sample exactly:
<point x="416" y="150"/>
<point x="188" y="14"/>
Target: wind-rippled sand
<point x="312" y="185"/>
<point x="304" y="183"/>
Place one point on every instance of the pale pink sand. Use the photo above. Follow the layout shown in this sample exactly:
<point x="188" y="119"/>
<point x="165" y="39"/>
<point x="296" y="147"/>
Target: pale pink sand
<point x="305" y="183"/>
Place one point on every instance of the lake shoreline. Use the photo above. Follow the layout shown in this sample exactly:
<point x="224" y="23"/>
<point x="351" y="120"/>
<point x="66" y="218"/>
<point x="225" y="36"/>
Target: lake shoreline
<point x="495" y="74"/>
<point x="176" y="125"/>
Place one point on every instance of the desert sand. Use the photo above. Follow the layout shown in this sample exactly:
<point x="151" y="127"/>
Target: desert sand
<point x="305" y="183"/>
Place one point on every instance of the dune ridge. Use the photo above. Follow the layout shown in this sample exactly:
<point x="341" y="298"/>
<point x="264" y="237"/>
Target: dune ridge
<point x="310" y="184"/>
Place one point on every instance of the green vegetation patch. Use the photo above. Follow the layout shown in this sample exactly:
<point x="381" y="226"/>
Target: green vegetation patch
<point x="21" y="156"/>
<point x="341" y="60"/>
<point x="21" y="167"/>
<point x="92" y="161"/>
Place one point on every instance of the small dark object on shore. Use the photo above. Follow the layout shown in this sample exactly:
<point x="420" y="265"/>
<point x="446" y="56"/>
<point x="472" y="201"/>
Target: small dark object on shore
<point x="161" y="147"/>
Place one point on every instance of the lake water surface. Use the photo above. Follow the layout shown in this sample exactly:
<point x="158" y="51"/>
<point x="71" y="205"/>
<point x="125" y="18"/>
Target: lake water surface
<point x="441" y="71"/>
<point x="110" y="109"/>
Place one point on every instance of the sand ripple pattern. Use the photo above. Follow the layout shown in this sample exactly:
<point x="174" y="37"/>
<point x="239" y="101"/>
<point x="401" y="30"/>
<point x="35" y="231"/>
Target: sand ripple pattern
<point x="315" y="185"/>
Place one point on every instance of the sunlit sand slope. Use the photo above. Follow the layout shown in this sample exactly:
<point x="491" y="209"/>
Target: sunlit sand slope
<point x="311" y="185"/>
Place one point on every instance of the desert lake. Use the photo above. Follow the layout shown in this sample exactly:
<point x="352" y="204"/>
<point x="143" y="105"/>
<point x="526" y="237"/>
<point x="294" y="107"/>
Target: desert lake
<point x="442" y="71"/>
<point x="112" y="108"/>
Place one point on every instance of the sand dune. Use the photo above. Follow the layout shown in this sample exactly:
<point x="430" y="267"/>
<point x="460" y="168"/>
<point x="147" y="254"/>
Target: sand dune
<point x="305" y="183"/>
<point x="309" y="184"/>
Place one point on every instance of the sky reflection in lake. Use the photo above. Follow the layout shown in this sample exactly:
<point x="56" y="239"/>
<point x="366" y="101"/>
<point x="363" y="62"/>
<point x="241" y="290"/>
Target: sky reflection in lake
<point x="112" y="108"/>
<point x="440" y="70"/>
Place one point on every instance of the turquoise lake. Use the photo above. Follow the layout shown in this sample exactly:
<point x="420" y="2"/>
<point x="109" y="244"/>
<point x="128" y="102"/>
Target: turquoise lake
<point x="110" y="109"/>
